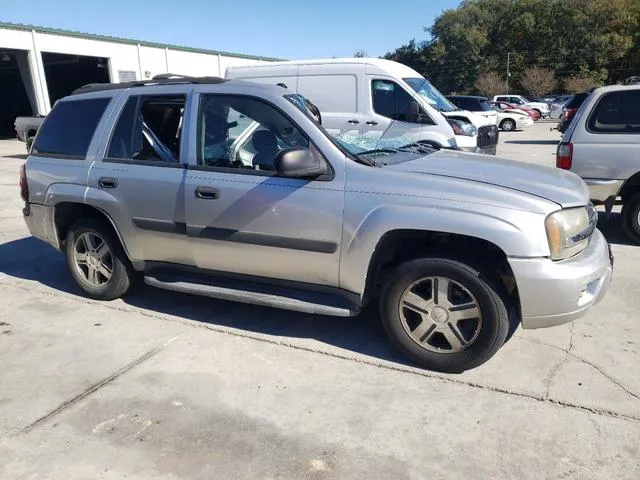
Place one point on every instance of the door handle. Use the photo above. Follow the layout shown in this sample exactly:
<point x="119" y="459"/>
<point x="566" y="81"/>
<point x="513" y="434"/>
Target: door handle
<point x="207" y="193"/>
<point x="371" y="122"/>
<point x="107" y="182"/>
<point x="353" y="121"/>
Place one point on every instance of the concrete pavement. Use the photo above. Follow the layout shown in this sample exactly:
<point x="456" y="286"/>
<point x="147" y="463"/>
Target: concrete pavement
<point x="162" y="385"/>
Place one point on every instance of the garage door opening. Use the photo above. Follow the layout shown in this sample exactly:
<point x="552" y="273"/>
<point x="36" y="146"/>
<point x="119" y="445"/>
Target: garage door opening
<point x="17" y="96"/>
<point x="65" y="73"/>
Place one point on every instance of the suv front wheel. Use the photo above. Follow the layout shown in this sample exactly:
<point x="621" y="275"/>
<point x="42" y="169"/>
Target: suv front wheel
<point x="97" y="261"/>
<point x="442" y="314"/>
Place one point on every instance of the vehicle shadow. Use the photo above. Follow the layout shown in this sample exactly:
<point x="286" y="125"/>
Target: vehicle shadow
<point x="533" y="142"/>
<point x="611" y="227"/>
<point x="31" y="259"/>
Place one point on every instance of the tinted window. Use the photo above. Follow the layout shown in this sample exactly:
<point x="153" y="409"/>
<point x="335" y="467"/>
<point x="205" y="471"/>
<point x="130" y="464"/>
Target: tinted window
<point x="149" y="129"/>
<point x="392" y="101"/>
<point x="69" y="128"/>
<point x="243" y="133"/>
<point x="484" y="105"/>
<point x="577" y="100"/>
<point x="617" y="112"/>
<point x="464" y="103"/>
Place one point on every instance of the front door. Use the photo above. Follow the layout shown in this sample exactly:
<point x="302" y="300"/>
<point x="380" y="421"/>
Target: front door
<point x="139" y="182"/>
<point x="241" y="216"/>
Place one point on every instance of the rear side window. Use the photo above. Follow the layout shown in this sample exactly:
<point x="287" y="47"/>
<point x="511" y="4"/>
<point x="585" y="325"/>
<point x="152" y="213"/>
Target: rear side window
<point x="148" y="130"/>
<point x="616" y="112"/>
<point x="69" y="128"/>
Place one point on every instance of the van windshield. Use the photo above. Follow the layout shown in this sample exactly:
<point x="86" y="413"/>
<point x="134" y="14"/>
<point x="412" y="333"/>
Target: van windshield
<point x="431" y="94"/>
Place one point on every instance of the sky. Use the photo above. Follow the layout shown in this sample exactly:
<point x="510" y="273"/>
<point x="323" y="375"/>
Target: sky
<point x="291" y="29"/>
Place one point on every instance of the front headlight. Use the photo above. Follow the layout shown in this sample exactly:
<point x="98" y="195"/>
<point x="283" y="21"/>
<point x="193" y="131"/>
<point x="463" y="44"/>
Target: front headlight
<point x="462" y="128"/>
<point x="568" y="230"/>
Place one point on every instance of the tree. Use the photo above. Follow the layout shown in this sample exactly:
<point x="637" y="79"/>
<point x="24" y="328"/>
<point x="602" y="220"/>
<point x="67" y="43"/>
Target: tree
<point x="360" y="54"/>
<point x="489" y="84"/>
<point x="538" y="81"/>
<point x="567" y="37"/>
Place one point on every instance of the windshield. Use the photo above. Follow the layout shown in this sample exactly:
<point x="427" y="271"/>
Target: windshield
<point x="431" y="94"/>
<point x="384" y="151"/>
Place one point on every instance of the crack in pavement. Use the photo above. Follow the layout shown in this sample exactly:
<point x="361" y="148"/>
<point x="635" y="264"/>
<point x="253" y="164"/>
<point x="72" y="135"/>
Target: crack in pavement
<point x="96" y="386"/>
<point x="554" y="371"/>
<point x="367" y="361"/>
<point x="569" y="353"/>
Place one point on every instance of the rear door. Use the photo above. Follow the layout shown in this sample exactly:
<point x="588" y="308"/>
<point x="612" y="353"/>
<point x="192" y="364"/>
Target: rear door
<point x="139" y="181"/>
<point x="606" y="136"/>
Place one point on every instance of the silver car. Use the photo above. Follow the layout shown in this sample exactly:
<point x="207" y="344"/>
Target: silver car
<point x="234" y="190"/>
<point x="602" y="145"/>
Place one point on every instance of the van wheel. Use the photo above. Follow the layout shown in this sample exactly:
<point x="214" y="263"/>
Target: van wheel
<point x="508" y="125"/>
<point x="631" y="217"/>
<point x="29" y="142"/>
<point x="97" y="261"/>
<point x="443" y="315"/>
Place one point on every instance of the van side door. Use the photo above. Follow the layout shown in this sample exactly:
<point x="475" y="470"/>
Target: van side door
<point x="335" y="91"/>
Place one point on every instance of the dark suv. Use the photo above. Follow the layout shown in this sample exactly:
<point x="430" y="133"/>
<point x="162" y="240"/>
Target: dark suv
<point x="475" y="104"/>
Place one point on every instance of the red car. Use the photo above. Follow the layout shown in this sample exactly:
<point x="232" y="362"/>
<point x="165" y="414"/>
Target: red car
<point x="510" y="106"/>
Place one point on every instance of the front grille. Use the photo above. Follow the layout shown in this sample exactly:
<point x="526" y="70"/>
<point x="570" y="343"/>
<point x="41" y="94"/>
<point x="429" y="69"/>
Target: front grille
<point x="487" y="136"/>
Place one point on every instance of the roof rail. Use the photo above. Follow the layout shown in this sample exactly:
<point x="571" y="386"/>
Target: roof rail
<point x="162" y="79"/>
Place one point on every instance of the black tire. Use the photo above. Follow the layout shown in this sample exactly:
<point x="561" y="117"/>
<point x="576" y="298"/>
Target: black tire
<point x="122" y="274"/>
<point x="539" y="113"/>
<point x="492" y="332"/>
<point x="29" y="142"/>
<point x="630" y="220"/>
<point x="508" y="125"/>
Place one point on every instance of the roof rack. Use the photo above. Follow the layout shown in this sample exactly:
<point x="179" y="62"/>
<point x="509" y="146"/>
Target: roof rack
<point x="162" y="79"/>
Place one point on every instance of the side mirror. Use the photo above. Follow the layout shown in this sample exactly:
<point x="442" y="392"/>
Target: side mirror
<point x="299" y="162"/>
<point x="413" y="112"/>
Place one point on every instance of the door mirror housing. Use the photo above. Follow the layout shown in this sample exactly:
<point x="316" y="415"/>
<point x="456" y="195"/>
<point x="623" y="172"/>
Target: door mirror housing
<point x="300" y="162"/>
<point x="413" y="112"/>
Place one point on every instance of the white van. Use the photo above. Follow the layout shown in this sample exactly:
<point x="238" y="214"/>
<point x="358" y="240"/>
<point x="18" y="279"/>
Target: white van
<point x="379" y="98"/>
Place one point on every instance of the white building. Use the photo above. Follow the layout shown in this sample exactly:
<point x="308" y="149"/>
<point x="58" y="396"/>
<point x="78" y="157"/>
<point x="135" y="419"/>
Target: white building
<point x="38" y="65"/>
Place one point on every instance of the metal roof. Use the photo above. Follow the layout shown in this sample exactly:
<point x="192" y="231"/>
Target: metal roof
<point x="128" y="41"/>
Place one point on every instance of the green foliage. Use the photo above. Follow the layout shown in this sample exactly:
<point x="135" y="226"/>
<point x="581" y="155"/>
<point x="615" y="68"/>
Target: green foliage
<point x="594" y="39"/>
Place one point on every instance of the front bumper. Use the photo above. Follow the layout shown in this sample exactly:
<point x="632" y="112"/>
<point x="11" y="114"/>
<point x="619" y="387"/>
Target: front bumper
<point x="553" y="293"/>
<point x="524" y="122"/>
<point x="489" y="150"/>
<point x="602" y="190"/>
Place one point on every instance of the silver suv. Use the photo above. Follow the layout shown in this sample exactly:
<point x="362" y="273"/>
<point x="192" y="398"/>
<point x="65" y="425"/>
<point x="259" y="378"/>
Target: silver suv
<point x="234" y="190"/>
<point x="602" y="145"/>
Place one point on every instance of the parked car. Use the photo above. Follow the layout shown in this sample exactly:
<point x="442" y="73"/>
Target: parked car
<point x="27" y="127"/>
<point x="159" y="178"/>
<point x="541" y="107"/>
<point x="602" y="145"/>
<point x="558" y="105"/>
<point x="379" y="98"/>
<point x="509" y="120"/>
<point x="480" y="105"/>
<point x="509" y="107"/>
<point x="570" y="109"/>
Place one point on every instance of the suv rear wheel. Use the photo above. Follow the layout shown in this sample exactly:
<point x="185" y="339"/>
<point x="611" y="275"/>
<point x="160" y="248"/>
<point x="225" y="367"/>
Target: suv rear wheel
<point x="97" y="261"/>
<point x="443" y="315"/>
<point x="631" y="217"/>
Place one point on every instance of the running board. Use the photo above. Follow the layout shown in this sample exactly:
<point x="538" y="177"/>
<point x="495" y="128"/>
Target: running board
<point x="258" y="294"/>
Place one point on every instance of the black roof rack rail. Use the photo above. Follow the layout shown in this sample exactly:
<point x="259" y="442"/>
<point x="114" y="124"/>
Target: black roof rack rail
<point x="162" y="79"/>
